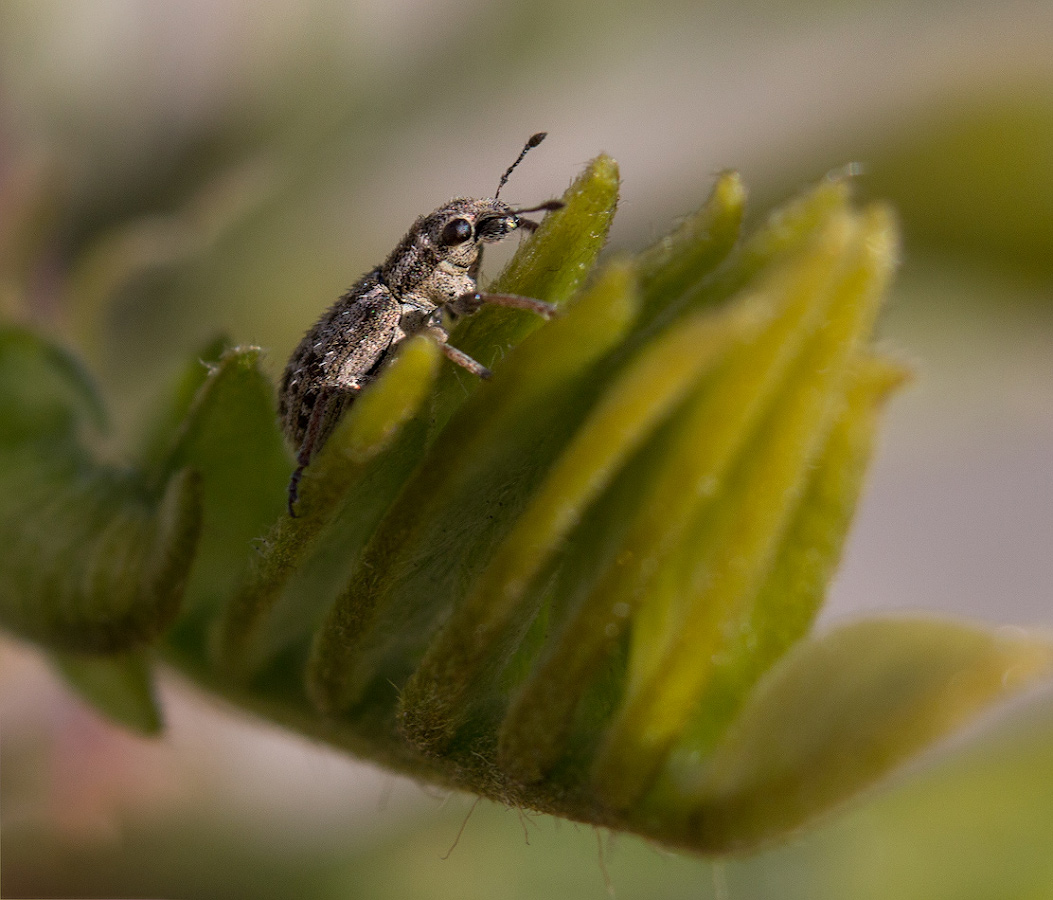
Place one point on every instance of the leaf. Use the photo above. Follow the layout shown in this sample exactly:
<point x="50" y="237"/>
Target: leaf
<point x="92" y="560"/>
<point x="973" y="821"/>
<point x="120" y="687"/>
<point x="838" y="713"/>
<point x="698" y="449"/>
<point x="156" y="242"/>
<point x="577" y="587"/>
<point x="793" y="591"/>
<point x="972" y="180"/>
<point x="162" y="430"/>
<point x="633" y="405"/>
<point x="45" y="392"/>
<point x="676" y="264"/>
<point x="496" y="429"/>
<point x="680" y="631"/>
<point x="368" y="428"/>
<point x="230" y="437"/>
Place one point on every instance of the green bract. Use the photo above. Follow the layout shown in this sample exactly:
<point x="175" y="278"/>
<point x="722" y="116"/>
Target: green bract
<point x="585" y="587"/>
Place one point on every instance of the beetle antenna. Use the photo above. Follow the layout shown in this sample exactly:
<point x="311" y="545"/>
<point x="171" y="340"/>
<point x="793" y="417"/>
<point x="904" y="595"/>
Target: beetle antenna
<point x="547" y="206"/>
<point x="530" y="144"/>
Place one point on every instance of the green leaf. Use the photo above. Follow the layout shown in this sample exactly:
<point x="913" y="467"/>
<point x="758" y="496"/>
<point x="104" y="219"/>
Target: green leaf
<point x="45" y="392"/>
<point x="576" y="587"/>
<point x="517" y="423"/>
<point x="698" y="449"/>
<point x="633" y="405"/>
<point x="92" y="559"/>
<point x="787" y="603"/>
<point x="973" y="821"/>
<point x="120" y="687"/>
<point x="678" y="262"/>
<point x="367" y="429"/>
<point x="162" y="431"/>
<point x="837" y="714"/>
<point x="153" y="242"/>
<point x="972" y="180"/>
<point x="230" y="437"/>
<point x="680" y="631"/>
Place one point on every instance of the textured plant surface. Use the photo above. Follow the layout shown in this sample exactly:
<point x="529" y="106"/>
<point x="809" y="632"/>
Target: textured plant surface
<point x="585" y="587"/>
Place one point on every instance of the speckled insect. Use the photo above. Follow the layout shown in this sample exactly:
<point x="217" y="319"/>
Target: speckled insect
<point x="429" y="278"/>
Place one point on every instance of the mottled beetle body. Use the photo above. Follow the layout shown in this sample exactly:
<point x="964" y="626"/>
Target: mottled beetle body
<point x="429" y="276"/>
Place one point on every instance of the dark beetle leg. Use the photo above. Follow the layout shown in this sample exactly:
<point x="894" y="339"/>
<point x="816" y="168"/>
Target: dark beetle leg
<point x="307" y="448"/>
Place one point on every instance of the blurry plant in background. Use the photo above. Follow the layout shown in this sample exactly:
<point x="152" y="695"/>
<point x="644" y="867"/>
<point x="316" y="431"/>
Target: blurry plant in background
<point x="169" y="175"/>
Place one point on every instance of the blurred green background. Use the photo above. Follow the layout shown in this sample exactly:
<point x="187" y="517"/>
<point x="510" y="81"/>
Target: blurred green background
<point x="169" y="171"/>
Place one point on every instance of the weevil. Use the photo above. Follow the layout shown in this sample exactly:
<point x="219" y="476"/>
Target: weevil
<point x="428" y="280"/>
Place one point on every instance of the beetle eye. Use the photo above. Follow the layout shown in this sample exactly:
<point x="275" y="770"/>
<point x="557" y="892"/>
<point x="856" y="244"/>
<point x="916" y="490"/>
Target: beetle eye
<point x="455" y="232"/>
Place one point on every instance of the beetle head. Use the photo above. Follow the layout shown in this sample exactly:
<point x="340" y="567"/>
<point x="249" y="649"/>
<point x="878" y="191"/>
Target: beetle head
<point x="460" y="228"/>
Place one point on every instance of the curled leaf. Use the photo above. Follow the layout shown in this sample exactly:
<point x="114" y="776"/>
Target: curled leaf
<point x="736" y="532"/>
<point x="583" y="587"/>
<point x="92" y="561"/>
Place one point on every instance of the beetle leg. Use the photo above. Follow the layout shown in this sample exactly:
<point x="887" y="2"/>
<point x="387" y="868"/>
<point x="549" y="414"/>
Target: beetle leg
<point x="474" y="300"/>
<point x="310" y="445"/>
<point x="458" y="356"/>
